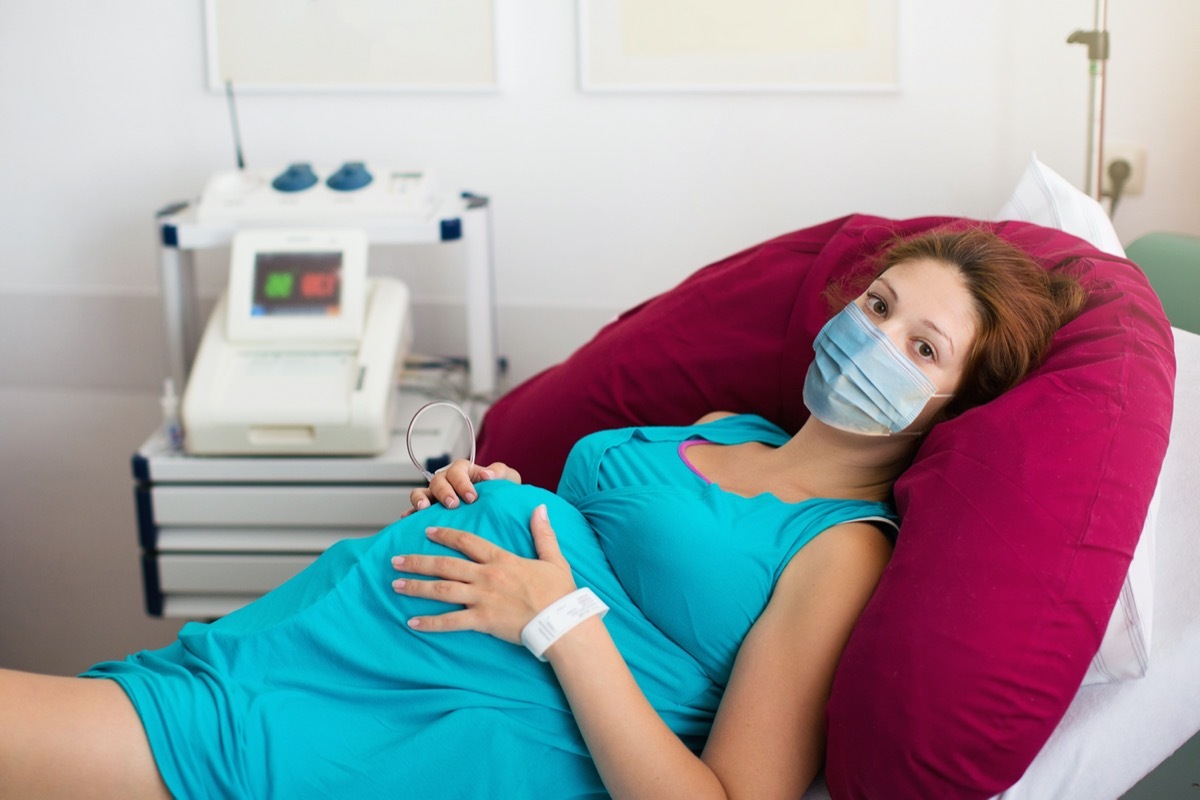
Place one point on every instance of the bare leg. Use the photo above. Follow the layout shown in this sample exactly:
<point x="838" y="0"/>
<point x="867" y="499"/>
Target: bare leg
<point x="72" y="737"/>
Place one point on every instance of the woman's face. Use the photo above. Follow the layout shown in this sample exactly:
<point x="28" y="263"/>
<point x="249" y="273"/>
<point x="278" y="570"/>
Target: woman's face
<point x="927" y="311"/>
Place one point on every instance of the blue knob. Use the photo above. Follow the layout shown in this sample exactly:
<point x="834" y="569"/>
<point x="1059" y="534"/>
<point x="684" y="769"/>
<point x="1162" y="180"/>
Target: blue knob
<point x="350" y="176"/>
<point x="296" y="178"/>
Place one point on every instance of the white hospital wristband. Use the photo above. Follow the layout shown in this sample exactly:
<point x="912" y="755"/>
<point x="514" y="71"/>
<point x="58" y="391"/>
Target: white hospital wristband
<point x="559" y="617"/>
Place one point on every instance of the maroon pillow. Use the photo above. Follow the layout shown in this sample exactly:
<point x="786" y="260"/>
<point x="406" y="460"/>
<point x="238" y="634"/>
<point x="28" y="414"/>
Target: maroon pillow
<point x="735" y="336"/>
<point x="1019" y="522"/>
<point x="1019" y="518"/>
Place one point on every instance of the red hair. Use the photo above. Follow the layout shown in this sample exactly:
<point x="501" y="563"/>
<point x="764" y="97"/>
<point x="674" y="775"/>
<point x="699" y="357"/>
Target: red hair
<point x="1019" y="305"/>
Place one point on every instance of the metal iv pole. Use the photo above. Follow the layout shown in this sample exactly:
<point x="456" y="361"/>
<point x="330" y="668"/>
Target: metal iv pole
<point x="1097" y="44"/>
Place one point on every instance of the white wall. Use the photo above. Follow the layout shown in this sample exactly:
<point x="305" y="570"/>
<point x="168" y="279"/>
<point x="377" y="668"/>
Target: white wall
<point x="599" y="201"/>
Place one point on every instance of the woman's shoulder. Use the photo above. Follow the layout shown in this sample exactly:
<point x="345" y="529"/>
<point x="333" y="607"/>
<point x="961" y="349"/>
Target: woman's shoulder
<point x="720" y="425"/>
<point x="713" y="416"/>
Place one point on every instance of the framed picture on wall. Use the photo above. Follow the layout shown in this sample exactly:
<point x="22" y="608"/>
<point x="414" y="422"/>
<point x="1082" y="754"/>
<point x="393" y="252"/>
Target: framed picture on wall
<point x="737" y="45"/>
<point x="351" y="45"/>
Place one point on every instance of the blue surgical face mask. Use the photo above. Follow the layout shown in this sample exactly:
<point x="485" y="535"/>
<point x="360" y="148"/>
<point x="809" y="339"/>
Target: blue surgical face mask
<point x="860" y="382"/>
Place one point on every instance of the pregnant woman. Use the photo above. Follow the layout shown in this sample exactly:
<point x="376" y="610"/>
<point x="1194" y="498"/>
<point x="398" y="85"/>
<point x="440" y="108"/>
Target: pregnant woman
<point x="683" y="598"/>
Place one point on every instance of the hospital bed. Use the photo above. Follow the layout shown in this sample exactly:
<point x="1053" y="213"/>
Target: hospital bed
<point x="1112" y="733"/>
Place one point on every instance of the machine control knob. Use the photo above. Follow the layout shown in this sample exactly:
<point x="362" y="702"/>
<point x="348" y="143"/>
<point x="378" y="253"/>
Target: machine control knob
<point x="296" y="178"/>
<point x="350" y="176"/>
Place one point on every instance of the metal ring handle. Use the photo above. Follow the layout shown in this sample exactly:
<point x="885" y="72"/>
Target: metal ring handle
<point x="413" y="423"/>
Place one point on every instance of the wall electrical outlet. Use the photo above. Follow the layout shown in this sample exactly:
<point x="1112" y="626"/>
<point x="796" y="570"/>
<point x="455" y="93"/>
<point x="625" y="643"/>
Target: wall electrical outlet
<point x="1136" y="156"/>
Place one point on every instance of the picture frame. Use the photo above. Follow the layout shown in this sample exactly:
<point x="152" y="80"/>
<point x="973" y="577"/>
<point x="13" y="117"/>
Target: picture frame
<point x="738" y="46"/>
<point x="351" y="45"/>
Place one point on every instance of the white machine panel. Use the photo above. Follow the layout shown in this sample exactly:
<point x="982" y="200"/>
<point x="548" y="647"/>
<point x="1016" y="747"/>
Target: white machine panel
<point x="300" y="355"/>
<point x="304" y="194"/>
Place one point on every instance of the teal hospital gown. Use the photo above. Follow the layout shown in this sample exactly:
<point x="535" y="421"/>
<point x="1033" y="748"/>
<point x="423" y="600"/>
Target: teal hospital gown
<point x="320" y="689"/>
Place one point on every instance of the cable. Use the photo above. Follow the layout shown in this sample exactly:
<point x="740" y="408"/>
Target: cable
<point x="1119" y="172"/>
<point x="413" y="424"/>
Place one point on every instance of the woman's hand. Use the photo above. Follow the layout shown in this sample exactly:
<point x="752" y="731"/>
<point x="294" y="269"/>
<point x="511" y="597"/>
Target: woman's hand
<point x="500" y="590"/>
<point x="457" y="481"/>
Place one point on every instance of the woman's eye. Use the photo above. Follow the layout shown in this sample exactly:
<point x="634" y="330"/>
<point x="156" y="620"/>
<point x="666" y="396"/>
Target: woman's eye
<point x="925" y="350"/>
<point x="876" y="304"/>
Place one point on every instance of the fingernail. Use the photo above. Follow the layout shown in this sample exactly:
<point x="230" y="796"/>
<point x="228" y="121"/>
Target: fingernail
<point x="397" y="561"/>
<point x="450" y="502"/>
<point x="414" y="623"/>
<point x="431" y="532"/>
<point x="487" y="473"/>
<point x="398" y="584"/>
<point x="422" y="504"/>
<point x="541" y="513"/>
<point x="469" y="497"/>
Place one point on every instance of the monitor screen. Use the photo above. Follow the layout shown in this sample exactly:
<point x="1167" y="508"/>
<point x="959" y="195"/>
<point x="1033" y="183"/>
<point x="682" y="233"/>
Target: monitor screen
<point x="297" y="286"/>
<point x="297" y="283"/>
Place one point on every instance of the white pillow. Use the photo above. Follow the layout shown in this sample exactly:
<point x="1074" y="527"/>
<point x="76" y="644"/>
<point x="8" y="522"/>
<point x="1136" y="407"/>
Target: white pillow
<point x="1045" y="198"/>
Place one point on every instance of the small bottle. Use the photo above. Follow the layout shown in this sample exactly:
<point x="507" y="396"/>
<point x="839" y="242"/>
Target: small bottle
<point x="171" y="423"/>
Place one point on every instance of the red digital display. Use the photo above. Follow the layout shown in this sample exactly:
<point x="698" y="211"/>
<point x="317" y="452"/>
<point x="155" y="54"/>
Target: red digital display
<point x="319" y="286"/>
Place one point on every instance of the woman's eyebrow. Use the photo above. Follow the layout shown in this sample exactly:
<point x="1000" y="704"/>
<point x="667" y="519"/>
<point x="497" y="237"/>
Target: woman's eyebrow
<point x="925" y="322"/>
<point x="929" y="324"/>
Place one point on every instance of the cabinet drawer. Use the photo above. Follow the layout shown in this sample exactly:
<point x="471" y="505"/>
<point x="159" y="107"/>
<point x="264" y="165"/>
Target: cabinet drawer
<point x="307" y="506"/>
<point x="226" y="574"/>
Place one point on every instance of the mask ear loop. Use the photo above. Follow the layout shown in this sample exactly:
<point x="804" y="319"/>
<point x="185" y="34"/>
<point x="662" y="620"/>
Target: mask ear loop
<point x="413" y="424"/>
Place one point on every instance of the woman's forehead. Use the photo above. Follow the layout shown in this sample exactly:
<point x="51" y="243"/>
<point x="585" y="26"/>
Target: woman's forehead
<point x="934" y="290"/>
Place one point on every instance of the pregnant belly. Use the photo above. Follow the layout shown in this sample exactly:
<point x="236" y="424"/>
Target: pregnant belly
<point x="501" y="515"/>
<point x="340" y="623"/>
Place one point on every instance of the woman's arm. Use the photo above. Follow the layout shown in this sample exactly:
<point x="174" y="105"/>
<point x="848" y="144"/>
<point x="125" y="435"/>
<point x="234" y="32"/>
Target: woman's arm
<point x="635" y="752"/>
<point x="768" y="736"/>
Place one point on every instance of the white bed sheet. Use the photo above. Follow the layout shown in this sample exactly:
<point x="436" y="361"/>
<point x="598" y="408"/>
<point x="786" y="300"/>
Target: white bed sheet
<point x="1114" y="734"/>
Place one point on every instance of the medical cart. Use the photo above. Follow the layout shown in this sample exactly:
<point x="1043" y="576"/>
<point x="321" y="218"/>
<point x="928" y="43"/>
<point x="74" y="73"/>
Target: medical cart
<point x="217" y="532"/>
